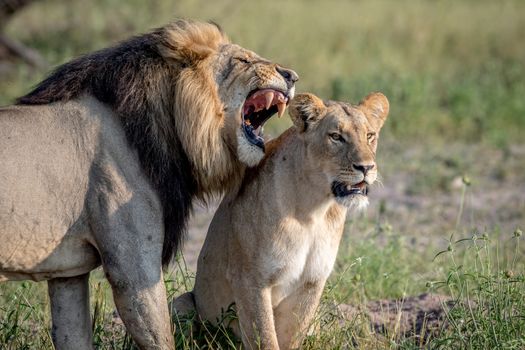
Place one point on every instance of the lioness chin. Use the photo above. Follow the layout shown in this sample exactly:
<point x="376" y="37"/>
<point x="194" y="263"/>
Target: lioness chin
<point x="273" y="242"/>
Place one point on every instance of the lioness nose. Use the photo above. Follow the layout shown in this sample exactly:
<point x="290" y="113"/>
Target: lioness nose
<point x="289" y="75"/>
<point x="363" y="167"/>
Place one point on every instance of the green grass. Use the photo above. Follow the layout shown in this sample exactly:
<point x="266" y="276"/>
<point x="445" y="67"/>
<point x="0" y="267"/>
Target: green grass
<point x="454" y="74"/>
<point x="24" y="316"/>
<point x="451" y="69"/>
<point x="489" y="289"/>
<point x="482" y="272"/>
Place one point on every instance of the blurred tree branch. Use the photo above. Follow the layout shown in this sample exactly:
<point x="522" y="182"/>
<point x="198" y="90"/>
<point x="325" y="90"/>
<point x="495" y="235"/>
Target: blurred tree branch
<point x="10" y="47"/>
<point x="11" y="6"/>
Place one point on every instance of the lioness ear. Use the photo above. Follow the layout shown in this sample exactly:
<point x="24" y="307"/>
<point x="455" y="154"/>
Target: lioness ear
<point x="189" y="42"/>
<point x="376" y="108"/>
<point x="305" y="110"/>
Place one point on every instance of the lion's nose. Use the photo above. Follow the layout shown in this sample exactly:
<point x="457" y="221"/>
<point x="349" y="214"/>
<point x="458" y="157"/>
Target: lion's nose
<point x="364" y="168"/>
<point x="289" y="75"/>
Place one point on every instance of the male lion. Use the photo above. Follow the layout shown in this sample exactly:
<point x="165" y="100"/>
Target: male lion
<point x="273" y="242"/>
<point x="101" y="161"/>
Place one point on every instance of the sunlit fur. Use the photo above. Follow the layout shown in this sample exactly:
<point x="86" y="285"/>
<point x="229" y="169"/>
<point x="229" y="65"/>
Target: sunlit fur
<point x="178" y="92"/>
<point x="354" y="203"/>
<point x="273" y="241"/>
<point x="104" y="159"/>
<point x="353" y="124"/>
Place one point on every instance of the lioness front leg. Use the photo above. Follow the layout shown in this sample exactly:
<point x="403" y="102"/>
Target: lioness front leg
<point x="256" y="323"/>
<point x="69" y="299"/>
<point x="293" y="316"/>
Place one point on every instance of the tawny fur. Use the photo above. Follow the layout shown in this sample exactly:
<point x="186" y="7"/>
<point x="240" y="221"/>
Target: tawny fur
<point x="102" y="161"/>
<point x="273" y="241"/>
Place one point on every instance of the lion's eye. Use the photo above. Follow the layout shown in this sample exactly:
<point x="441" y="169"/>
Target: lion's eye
<point x="336" y="137"/>
<point x="371" y="136"/>
<point x="243" y="60"/>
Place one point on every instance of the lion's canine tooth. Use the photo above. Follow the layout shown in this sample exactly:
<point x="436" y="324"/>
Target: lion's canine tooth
<point x="268" y="95"/>
<point x="281" y="106"/>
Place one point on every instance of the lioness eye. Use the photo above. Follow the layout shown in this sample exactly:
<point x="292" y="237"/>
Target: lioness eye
<point x="336" y="137"/>
<point x="370" y="137"/>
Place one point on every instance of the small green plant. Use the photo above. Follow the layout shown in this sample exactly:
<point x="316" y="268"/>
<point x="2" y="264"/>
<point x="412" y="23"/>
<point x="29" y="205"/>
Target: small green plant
<point x="489" y="307"/>
<point x="488" y="291"/>
<point x="21" y="314"/>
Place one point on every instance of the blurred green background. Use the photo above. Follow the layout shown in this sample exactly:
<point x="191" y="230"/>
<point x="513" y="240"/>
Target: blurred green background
<point x="451" y="155"/>
<point x="451" y="69"/>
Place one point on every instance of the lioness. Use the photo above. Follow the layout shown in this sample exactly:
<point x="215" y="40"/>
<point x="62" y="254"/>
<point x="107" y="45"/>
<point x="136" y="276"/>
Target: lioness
<point x="273" y="242"/>
<point x="100" y="163"/>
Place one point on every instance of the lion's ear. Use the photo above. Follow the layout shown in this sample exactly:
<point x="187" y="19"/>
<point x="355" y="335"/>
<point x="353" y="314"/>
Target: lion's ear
<point x="305" y="110"/>
<point x="376" y="108"/>
<point x="189" y="42"/>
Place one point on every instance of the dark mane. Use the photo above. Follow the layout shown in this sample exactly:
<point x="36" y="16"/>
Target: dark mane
<point x="132" y="79"/>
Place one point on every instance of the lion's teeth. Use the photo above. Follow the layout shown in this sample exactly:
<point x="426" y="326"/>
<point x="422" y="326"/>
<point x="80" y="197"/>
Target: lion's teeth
<point x="281" y="106"/>
<point x="268" y="95"/>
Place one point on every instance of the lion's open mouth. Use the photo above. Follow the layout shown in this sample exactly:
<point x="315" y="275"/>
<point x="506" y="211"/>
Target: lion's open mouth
<point x="340" y="189"/>
<point x="261" y="105"/>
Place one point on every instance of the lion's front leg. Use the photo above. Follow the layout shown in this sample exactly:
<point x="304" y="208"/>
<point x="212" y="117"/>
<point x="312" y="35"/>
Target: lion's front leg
<point x="135" y="275"/>
<point x="141" y="303"/>
<point x="69" y="299"/>
<point x="129" y="237"/>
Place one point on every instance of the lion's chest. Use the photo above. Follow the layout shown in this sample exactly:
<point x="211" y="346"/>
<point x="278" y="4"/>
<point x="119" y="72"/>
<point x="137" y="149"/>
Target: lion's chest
<point x="303" y="254"/>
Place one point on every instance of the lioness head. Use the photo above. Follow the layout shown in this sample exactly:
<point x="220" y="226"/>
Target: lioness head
<point x="341" y="140"/>
<point x="246" y="88"/>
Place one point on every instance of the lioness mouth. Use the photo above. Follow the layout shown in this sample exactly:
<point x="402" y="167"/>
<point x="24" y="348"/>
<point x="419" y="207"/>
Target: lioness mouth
<point x="259" y="106"/>
<point x="340" y="189"/>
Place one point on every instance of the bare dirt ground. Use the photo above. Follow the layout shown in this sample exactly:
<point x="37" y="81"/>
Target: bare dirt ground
<point x="418" y="316"/>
